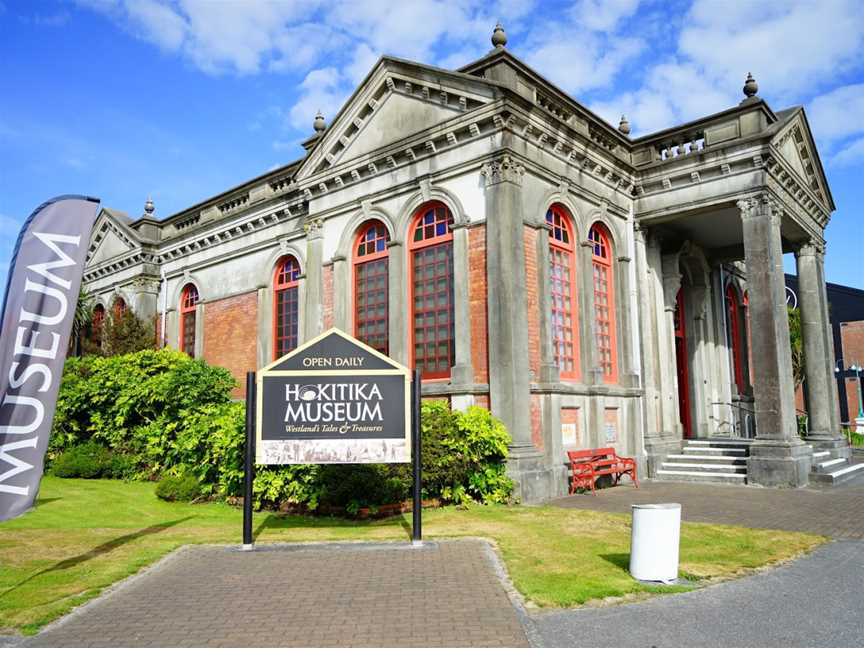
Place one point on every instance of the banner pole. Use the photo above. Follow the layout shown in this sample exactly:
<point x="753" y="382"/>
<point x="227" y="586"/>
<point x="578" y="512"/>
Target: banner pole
<point x="249" y="467"/>
<point x="417" y="527"/>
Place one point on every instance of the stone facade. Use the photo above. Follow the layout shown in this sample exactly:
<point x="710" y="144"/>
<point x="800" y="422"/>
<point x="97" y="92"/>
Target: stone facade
<point x="672" y="260"/>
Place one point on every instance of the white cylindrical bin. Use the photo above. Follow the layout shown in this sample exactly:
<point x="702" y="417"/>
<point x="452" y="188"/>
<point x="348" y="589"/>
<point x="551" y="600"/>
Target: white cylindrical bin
<point x="654" y="542"/>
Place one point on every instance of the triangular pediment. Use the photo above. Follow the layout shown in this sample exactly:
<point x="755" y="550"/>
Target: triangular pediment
<point x="334" y="351"/>
<point x="795" y="145"/>
<point x="109" y="239"/>
<point x="396" y="100"/>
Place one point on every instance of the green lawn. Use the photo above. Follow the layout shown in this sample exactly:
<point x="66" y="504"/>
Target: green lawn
<point x="85" y="535"/>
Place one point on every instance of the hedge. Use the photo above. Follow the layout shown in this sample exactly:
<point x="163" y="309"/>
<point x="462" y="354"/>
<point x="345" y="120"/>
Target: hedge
<point x="166" y="414"/>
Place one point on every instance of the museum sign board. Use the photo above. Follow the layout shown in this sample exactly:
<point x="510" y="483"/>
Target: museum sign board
<point x="333" y="400"/>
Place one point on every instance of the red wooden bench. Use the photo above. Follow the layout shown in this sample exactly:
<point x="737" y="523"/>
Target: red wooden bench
<point x="587" y="465"/>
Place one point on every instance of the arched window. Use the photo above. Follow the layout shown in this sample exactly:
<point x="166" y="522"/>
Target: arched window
<point x="286" y="306"/>
<point x="97" y="321"/>
<point x="733" y="315"/>
<point x="604" y="302"/>
<point x="433" y="337"/>
<point x="188" y="302"/>
<point x="119" y="308"/>
<point x="371" y="316"/>
<point x="562" y="273"/>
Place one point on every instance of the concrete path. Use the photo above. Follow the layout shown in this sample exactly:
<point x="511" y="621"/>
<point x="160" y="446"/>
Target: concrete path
<point x="836" y="512"/>
<point x="815" y="601"/>
<point x="444" y="594"/>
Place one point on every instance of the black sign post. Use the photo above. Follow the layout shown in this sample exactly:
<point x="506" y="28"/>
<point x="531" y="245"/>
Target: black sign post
<point x="332" y="400"/>
<point x="249" y="467"/>
<point x="417" y="526"/>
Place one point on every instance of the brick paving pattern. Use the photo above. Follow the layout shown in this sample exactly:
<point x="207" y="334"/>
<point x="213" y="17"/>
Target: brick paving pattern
<point x="837" y="512"/>
<point x="441" y="595"/>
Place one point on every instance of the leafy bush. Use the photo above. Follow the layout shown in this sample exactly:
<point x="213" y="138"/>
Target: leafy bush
<point x="88" y="461"/>
<point x="178" y="488"/>
<point x="161" y="412"/>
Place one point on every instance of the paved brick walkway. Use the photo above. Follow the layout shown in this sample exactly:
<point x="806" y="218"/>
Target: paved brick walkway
<point x="445" y="594"/>
<point x="837" y="512"/>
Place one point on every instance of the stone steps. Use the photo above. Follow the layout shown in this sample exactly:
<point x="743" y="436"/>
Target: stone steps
<point x="713" y="461"/>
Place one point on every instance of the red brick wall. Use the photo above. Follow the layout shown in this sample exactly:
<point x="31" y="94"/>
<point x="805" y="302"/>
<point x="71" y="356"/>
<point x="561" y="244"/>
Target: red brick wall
<point x="799" y="399"/>
<point x="536" y="422"/>
<point x="851" y="399"/>
<point x="327" y="300"/>
<point x="482" y="400"/>
<point x="529" y="236"/>
<point x="477" y="297"/>
<point x="570" y="417"/>
<point x="230" y="335"/>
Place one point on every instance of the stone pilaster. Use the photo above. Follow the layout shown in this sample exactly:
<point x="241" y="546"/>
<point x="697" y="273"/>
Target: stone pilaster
<point x="313" y="322"/>
<point x="264" y="348"/>
<point x="398" y="317"/>
<point x="509" y="377"/>
<point x="669" y="393"/>
<point x="549" y="372"/>
<point x="343" y="294"/>
<point x="463" y="371"/>
<point x="777" y="457"/>
<point x="818" y="356"/>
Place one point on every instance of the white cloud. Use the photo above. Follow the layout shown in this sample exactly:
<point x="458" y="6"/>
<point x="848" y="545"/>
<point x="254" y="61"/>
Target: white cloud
<point x="322" y="89"/>
<point x="603" y="15"/>
<point x="837" y="114"/>
<point x="791" y="48"/>
<point x="850" y="155"/>
<point x="158" y="22"/>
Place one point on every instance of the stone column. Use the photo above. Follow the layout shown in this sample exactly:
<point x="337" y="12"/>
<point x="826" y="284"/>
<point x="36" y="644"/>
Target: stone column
<point x="592" y="374"/>
<point x="829" y="338"/>
<point x="463" y="371"/>
<point x="818" y="357"/>
<point x="343" y="294"/>
<point x="312" y="315"/>
<point x="777" y="457"/>
<point x="668" y="367"/>
<point x="624" y="322"/>
<point x="399" y="310"/>
<point x="509" y="378"/>
<point x="549" y="372"/>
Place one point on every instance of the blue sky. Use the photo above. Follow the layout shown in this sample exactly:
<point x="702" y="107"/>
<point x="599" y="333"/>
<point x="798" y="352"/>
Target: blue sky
<point x="182" y="99"/>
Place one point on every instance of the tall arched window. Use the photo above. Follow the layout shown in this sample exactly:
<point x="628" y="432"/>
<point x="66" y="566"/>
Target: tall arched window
<point x="188" y="302"/>
<point x="371" y="313"/>
<point x="119" y="308"/>
<point x="286" y="306"/>
<point x="97" y="321"/>
<point x="433" y="337"/>
<point x="733" y="316"/>
<point x="562" y="273"/>
<point x="604" y="301"/>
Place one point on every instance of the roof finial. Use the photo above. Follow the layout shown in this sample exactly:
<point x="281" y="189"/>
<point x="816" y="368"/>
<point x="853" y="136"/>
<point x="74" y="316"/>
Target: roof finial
<point x="319" y="124"/>
<point x="499" y="37"/>
<point x="624" y="125"/>
<point x="750" y="86"/>
<point x="149" y="207"/>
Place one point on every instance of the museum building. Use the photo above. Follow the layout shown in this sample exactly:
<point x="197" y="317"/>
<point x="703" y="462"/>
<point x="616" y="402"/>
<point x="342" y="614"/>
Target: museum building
<point x="589" y="288"/>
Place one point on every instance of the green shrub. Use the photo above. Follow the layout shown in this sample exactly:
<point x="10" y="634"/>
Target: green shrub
<point x="178" y="488"/>
<point x="88" y="461"/>
<point x="163" y="413"/>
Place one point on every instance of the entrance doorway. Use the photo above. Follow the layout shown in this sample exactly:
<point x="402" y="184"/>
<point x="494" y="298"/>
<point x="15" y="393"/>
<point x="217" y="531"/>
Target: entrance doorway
<point x="681" y="364"/>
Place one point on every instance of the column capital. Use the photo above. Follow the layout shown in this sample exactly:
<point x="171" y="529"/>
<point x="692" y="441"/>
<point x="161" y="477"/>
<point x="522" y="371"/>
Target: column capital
<point x="810" y="248"/>
<point x="503" y="169"/>
<point x="761" y="205"/>
<point x="313" y="227"/>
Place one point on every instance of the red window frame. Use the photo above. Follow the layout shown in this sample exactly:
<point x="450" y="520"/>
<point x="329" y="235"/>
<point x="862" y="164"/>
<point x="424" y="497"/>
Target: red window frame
<point x="286" y="303"/>
<point x="97" y="321"/>
<point x="371" y="286"/>
<point x="733" y="311"/>
<point x="188" y="304"/>
<point x="562" y="279"/>
<point x="605" y="337"/>
<point x="430" y="250"/>
<point x="119" y="308"/>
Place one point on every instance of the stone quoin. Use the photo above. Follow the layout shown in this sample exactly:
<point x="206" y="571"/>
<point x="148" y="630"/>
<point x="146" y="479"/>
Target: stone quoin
<point x="591" y="285"/>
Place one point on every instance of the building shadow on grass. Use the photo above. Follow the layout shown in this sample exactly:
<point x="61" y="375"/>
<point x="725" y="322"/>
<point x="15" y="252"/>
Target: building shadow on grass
<point x="100" y="550"/>
<point x="621" y="560"/>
